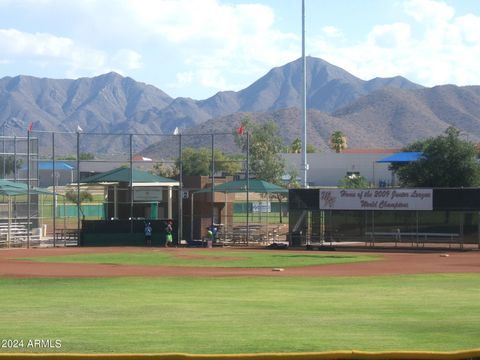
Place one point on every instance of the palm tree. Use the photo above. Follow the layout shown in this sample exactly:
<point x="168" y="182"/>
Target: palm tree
<point x="338" y="141"/>
<point x="296" y="146"/>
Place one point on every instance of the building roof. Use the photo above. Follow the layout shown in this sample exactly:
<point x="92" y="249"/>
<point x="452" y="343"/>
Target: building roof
<point x="370" y="151"/>
<point x="48" y="165"/>
<point x="123" y="174"/>
<point x="254" y="186"/>
<point x="11" y="188"/>
<point x="402" y="157"/>
<point x="59" y="165"/>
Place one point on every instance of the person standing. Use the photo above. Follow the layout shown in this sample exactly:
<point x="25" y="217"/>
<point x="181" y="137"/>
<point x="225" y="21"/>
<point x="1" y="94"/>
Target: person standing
<point x="169" y="231"/>
<point x="148" y="234"/>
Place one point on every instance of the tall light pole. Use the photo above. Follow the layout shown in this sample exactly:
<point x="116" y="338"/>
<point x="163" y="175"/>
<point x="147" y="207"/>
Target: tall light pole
<point x="304" y="104"/>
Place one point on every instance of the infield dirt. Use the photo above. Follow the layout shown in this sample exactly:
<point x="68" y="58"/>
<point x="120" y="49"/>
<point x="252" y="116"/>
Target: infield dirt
<point x="391" y="263"/>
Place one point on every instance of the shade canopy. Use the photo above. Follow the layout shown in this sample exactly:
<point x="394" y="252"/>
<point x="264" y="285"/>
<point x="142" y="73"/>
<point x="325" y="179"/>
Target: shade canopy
<point x="402" y="157"/>
<point x="11" y="188"/>
<point x="48" y="165"/>
<point x="254" y="186"/>
<point x="138" y="177"/>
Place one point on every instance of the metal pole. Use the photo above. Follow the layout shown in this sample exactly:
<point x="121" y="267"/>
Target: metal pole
<point x="248" y="184"/>
<point x="78" y="186"/>
<point x="304" y="102"/>
<point x="15" y="158"/>
<point x="213" y="177"/>
<point x="15" y="171"/>
<point x="9" y="226"/>
<point x="28" y="189"/>
<point x="191" y="217"/>
<point x="3" y="151"/>
<point x="131" y="183"/>
<point x="54" y="191"/>
<point x="180" y="191"/>
<point x="373" y="175"/>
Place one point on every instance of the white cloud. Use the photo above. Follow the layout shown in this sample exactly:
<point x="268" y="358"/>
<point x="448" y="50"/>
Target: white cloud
<point x="18" y="43"/>
<point x="390" y="36"/>
<point x="220" y="45"/>
<point x="469" y="27"/>
<point x="438" y="47"/>
<point x="428" y="10"/>
<point x="217" y="42"/>
<point x="126" y="58"/>
<point x="184" y="78"/>
<point x="46" y="50"/>
<point x="331" y="31"/>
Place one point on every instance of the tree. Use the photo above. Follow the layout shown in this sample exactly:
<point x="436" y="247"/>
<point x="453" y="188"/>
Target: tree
<point x="293" y="182"/>
<point x="86" y="156"/>
<point x="338" y="141"/>
<point x="165" y="170"/>
<point x="82" y="156"/>
<point x="311" y="149"/>
<point x="266" y="145"/>
<point x="85" y="196"/>
<point x="353" y="182"/>
<point x="447" y="161"/>
<point x="296" y="147"/>
<point x="9" y="161"/>
<point x="199" y="162"/>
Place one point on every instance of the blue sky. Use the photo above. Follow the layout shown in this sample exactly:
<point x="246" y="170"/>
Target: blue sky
<point x="195" y="48"/>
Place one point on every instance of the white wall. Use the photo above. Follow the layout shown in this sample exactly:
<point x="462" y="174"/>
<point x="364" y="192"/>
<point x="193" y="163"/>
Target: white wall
<point x="327" y="169"/>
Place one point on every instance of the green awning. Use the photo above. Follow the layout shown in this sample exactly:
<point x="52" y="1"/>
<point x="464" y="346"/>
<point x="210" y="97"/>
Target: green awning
<point x="11" y="188"/>
<point x="254" y="186"/>
<point x="123" y="175"/>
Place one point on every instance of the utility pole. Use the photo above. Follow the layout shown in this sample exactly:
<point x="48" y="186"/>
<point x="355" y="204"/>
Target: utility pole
<point x="304" y="103"/>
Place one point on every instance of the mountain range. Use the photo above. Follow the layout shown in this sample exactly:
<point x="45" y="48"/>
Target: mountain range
<point x="381" y="112"/>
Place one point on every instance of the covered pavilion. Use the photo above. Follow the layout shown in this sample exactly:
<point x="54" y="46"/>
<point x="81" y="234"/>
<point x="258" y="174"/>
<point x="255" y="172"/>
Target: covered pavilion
<point x="242" y="186"/>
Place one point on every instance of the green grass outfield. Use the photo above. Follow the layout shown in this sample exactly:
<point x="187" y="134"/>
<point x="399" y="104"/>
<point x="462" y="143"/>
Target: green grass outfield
<point x="244" y="315"/>
<point x="239" y="259"/>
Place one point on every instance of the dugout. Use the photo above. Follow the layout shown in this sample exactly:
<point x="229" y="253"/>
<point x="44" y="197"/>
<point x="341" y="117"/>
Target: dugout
<point x="392" y="216"/>
<point x="123" y="232"/>
<point x="132" y="198"/>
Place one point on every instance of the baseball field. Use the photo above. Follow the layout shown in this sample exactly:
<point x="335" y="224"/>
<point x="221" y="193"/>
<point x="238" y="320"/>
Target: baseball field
<point x="217" y="301"/>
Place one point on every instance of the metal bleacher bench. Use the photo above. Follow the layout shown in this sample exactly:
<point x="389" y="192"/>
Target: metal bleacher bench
<point x="19" y="234"/>
<point x="69" y="237"/>
<point x="420" y="237"/>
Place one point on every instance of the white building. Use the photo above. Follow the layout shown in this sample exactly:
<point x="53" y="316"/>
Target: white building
<point x="328" y="168"/>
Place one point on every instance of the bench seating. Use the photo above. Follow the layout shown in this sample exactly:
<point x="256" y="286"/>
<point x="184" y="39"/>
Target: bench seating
<point x="19" y="235"/>
<point x="420" y="237"/>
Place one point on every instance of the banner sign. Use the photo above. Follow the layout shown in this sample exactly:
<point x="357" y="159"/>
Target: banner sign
<point x="147" y="194"/>
<point x="261" y="206"/>
<point x="376" y="199"/>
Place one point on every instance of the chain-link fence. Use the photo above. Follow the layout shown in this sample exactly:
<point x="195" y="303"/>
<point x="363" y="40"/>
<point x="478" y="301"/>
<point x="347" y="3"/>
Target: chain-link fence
<point x="453" y="221"/>
<point x="65" y="162"/>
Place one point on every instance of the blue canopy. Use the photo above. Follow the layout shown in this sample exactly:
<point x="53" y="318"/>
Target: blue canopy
<point x="48" y="165"/>
<point x="402" y="157"/>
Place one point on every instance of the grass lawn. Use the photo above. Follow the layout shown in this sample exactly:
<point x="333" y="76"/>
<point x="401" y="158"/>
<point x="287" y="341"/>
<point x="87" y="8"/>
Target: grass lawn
<point x="260" y="218"/>
<point x="205" y="258"/>
<point x="244" y="315"/>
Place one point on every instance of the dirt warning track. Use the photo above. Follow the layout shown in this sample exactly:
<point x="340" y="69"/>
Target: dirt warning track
<point x="392" y="263"/>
